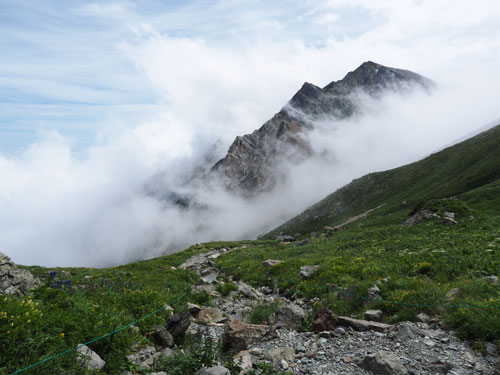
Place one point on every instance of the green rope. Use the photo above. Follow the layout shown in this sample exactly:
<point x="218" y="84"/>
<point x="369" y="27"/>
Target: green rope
<point x="107" y="334"/>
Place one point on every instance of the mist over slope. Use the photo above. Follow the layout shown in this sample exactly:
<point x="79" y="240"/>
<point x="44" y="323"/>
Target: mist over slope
<point x="114" y="204"/>
<point x="454" y="171"/>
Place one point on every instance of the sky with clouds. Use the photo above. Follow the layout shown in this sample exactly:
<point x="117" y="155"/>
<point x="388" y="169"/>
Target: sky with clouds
<point x="100" y="99"/>
<point x="80" y="67"/>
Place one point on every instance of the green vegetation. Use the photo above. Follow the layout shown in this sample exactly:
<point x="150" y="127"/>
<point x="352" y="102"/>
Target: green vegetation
<point x="195" y="355"/>
<point x="261" y="313"/>
<point x="414" y="267"/>
<point x="76" y="305"/>
<point x="226" y="288"/>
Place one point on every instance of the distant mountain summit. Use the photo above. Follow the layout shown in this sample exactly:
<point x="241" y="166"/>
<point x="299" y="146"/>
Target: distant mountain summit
<point x="251" y="163"/>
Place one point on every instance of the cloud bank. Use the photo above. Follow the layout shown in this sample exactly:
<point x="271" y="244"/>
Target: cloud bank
<point x="95" y="208"/>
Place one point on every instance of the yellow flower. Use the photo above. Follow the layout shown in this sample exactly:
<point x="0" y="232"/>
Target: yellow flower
<point x="62" y="335"/>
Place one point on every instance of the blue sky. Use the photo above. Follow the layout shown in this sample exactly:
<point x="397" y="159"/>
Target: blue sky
<point x="69" y="66"/>
<point x="64" y="68"/>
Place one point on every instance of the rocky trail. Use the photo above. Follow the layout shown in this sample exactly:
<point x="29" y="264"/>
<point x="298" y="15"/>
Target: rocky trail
<point x="341" y="345"/>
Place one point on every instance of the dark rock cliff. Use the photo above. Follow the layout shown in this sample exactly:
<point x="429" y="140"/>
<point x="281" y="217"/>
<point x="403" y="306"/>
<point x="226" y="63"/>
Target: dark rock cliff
<point x="251" y="164"/>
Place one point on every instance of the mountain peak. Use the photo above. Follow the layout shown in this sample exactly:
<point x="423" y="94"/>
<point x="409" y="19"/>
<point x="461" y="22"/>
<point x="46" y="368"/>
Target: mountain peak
<point x="250" y="164"/>
<point x="373" y="78"/>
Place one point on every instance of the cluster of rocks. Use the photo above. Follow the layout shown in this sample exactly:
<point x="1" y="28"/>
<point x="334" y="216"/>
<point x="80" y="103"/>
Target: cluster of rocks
<point x="14" y="280"/>
<point x="448" y="218"/>
<point x="337" y="345"/>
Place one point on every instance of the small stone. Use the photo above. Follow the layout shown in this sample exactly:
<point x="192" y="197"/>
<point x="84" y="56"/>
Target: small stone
<point x="303" y="242"/>
<point x="144" y="358"/>
<point x="193" y="309"/>
<point x="453" y="293"/>
<point x="423" y="318"/>
<point x="348" y="359"/>
<point x="216" y="370"/>
<point x="307" y="271"/>
<point x="284" y="364"/>
<point x="469" y="357"/>
<point x="256" y="351"/>
<point x="448" y="221"/>
<point x="340" y="330"/>
<point x="285" y="238"/>
<point x="375" y="315"/>
<point x="271" y="262"/>
<point x="275" y="355"/>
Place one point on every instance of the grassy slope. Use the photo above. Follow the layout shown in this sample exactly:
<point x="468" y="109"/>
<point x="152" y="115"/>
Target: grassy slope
<point x="452" y="171"/>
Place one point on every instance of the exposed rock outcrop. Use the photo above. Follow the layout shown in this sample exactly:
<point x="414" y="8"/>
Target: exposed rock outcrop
<point x="14" y="280"/>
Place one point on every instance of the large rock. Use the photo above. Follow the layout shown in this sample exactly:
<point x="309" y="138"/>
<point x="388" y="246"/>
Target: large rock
<point x="89" y="359"/>
<point x="216" y="370"/>
<point x="324" y="320"/>
<point x="162" y="337"/>
<point x="288" y="316"/>
<point x="14" y="280"/>
<point x="247" y="291"/>
<point x="178" y="324"/>
<point x="362" y="325"/>
<point x="420" y="216"/>
<point x="307" y="271"/>
<point x="383" y="363"/>
<point x="240" y="336"/>
<point x="406" y="331"/>
<point x="244" y="360"/>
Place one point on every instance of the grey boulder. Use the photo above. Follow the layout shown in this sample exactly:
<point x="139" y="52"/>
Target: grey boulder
<point x="383" y="363"/>
<point x="89" y="359"/>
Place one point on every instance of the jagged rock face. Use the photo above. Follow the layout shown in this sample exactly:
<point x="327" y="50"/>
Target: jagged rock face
<point x="252" y="162"/>
<point x="14" y="280"/>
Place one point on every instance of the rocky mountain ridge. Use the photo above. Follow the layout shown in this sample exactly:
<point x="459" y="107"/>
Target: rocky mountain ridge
<point x="251" y="163"/>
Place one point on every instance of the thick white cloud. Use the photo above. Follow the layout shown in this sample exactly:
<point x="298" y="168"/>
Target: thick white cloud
<point x="214" y="82"/>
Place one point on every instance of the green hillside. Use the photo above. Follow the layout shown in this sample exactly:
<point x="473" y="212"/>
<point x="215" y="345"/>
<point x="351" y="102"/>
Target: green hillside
<point x="452" y="171"/>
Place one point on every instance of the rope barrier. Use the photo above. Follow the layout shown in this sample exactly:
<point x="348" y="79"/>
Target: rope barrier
<point x="106" y="335"/>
